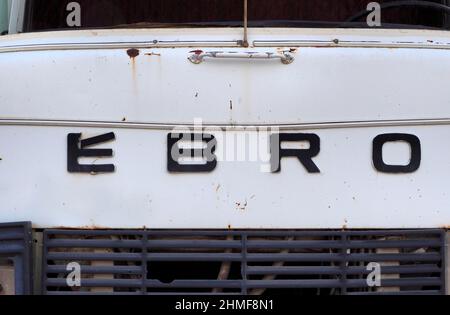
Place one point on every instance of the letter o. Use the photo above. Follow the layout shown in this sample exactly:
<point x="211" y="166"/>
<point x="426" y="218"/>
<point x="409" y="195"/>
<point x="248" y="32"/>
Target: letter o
<point x="416" y="153"/>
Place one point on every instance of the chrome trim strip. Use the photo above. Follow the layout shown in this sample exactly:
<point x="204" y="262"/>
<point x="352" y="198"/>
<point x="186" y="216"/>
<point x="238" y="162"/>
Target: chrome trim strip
<point x="157" y="126"/>
<point x="116" y="45"/>
<point x="351" y="44"/>
<point x="257" y="43"/>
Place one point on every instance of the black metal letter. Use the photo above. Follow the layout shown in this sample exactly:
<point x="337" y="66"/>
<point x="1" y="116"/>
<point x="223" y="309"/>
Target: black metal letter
<point x="304" y="155"/>
<point x="174" y="153"/>
<point x="416" y="153"/>
<point x="76" y="149"/>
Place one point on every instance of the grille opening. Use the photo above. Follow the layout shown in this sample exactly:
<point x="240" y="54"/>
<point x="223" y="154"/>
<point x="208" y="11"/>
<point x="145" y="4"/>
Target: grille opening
<point x="168" y="272"/>
<point x="244" y="262"/>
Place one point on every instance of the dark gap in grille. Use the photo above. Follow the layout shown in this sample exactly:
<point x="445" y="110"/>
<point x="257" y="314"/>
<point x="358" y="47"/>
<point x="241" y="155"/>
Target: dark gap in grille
<point x="244" y="262"/>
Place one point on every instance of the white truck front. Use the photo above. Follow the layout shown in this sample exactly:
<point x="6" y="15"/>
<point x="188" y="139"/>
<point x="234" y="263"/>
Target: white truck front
<point x="217" y="146"/>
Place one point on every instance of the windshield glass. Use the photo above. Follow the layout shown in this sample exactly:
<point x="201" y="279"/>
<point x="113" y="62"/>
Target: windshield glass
<point x="64" y="14"/>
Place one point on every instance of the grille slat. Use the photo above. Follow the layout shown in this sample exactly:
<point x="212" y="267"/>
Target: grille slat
<point x="149" y="244"/>
<point x="99" y="257"/>
<point x="413" y="269"/>
<point x="338" y="245"/>
<point x="349" y="257"/>
<point x="244" y="262"/>
<point x="9" y="235"/>
<point x="11" y="249"/>
<point x="99" y="270"/>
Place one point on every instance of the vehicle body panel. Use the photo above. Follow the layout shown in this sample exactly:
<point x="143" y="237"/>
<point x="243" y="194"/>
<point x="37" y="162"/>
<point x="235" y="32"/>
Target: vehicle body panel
<point x="346" y="86"/>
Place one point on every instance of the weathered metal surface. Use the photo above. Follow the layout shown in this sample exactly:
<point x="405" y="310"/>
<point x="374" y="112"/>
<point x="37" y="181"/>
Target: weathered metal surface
<point x="348" y="192"/>
<point x="136" y="84"/>
<point x="386" y="84"/>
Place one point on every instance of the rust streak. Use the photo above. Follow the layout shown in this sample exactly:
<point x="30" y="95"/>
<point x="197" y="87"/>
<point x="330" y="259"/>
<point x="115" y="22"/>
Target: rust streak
<point x="242" y="206"/>
<point x="133" y="53"/>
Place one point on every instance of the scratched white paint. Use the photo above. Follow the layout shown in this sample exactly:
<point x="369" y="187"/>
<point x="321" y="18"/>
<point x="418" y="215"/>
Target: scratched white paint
<point x="349" y="191"/>
<point x="338" y="84"/>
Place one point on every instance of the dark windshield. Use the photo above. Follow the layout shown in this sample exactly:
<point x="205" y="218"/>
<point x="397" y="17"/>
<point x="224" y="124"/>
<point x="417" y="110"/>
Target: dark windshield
<point x="65" y="14"/>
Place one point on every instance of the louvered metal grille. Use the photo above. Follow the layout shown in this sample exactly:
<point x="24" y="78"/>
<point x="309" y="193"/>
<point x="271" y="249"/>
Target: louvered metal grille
<point x="245" y="262"/>
<point x="15" y="250"/>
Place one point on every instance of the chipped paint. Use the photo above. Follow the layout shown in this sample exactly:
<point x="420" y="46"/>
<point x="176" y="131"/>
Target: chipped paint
<point x="242" y="206"/>
<point x="169" y="90"/>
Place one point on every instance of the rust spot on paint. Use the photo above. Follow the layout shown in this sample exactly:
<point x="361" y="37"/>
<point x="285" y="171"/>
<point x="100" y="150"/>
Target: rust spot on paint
<point x="153" y="54"/>
<point x="242" y="206"/>
<point x="292" y="50"/>
<point x="133" y="53"/>
<point x="345" y="226"/>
